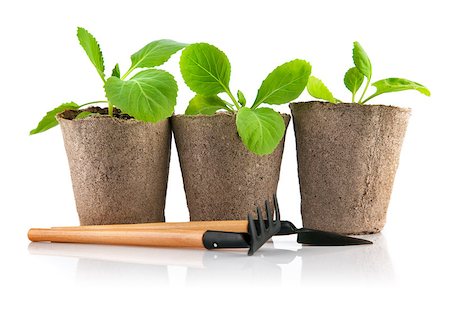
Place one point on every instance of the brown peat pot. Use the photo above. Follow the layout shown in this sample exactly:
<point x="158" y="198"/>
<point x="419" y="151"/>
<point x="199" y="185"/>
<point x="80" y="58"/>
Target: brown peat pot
<point x="347" y="158"/>
<point x="119" y="167"/>
<point x="222" y="179"/>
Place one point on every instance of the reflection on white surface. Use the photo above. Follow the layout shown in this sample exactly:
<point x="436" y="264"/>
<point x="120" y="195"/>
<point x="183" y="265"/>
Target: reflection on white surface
<point x="275" y="263"/>
<point x="357" y="264"/>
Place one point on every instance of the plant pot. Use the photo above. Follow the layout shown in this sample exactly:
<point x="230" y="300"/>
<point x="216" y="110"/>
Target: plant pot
<point x="119" y="167"/>
<point x="347" y="158"/>
<point x="222" y="179"/>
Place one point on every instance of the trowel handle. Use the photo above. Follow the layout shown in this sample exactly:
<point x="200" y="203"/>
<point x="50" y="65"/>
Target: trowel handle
<point x="133" y="237"/>
<point x="229" y="225"/>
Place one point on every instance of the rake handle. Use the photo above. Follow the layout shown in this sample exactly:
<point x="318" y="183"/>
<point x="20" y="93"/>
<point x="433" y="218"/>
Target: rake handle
<point x="133" y="237"/>
<point x="229" y="225"/>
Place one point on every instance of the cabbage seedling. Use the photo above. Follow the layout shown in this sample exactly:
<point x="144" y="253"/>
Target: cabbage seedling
<point x="355" y="76"/>
<point x="206" y="70"/>
<point x="149" y="95"/>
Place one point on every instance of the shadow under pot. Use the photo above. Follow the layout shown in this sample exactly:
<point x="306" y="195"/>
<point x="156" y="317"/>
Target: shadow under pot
<point x="222" y="179"/>
<point x="347" y="159"/>
<point x="119" y="166"/>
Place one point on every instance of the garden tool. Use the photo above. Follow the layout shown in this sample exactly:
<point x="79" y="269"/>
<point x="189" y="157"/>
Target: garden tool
<point x="253" y="236"/>
<point x="304" y="235"/>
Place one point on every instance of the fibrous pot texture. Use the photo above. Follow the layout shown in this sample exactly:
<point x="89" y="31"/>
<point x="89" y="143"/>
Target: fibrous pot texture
<point x="222" y="179"/>
<point x="119" y="167"/>
<point x="347" y="159"/>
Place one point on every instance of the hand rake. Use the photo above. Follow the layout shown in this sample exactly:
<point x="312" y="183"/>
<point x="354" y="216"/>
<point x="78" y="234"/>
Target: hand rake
<point x="209" y="235"/>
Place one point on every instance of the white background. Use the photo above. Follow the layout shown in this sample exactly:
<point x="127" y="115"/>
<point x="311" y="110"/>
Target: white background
<point x="406" y="271"/>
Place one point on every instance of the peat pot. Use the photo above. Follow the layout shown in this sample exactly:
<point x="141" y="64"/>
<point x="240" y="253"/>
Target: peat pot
<point x="119" y="167"/>
<point x="222" y="179"/>
<point x="347" y="158"/>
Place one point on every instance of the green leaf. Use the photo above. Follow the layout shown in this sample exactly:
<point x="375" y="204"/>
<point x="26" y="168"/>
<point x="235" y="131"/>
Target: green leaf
<point x="261" y="129"/>
<point x="317" y="89"/>
<point x="206" y="105"/>
<point x="205" y="69"/>
<point x="92" y="49"/>
<point x="83" y="114"/>
<point x="353" y="80"/>
<point x="149" y="95"/>
<point x="361" y="60"/>
<point x="49" y="120"/>
<point x="155" y="53"/>
<point x="241" y="98"/>
<point x="284" y="84"/>
<point x="116" y="71"/>
<point x="393" y="84"/>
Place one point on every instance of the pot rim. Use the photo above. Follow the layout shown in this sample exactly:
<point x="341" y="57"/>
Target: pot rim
<point x="217" y="114"/>
<point x="60" y="117"/>
<point x="351" y="105"/>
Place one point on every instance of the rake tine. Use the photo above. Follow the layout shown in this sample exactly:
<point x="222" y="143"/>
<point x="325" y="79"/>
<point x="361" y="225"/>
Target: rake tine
<point x="277" y="207"/>
<point x="268" y="213"/>
<point x="262" y="226"/>
<point x="252" y="227"/>
<point x="253" y="235"/>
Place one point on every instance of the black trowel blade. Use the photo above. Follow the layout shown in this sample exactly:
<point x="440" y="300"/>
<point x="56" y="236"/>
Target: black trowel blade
<point x="322" y="238"/>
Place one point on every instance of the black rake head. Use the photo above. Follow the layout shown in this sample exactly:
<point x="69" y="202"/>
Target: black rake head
<point x="261" y="231"/>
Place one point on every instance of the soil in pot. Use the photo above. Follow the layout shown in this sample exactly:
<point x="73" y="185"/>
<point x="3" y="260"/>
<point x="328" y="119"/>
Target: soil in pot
<point x="347" y="159"/>
<point x="222" y="179"/>
<point x="119" y="166"/>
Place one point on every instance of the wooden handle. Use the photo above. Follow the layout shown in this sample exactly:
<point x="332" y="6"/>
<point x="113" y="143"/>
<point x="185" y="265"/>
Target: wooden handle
<point x="134" y="237"/>
<point x="230" y="226"/>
